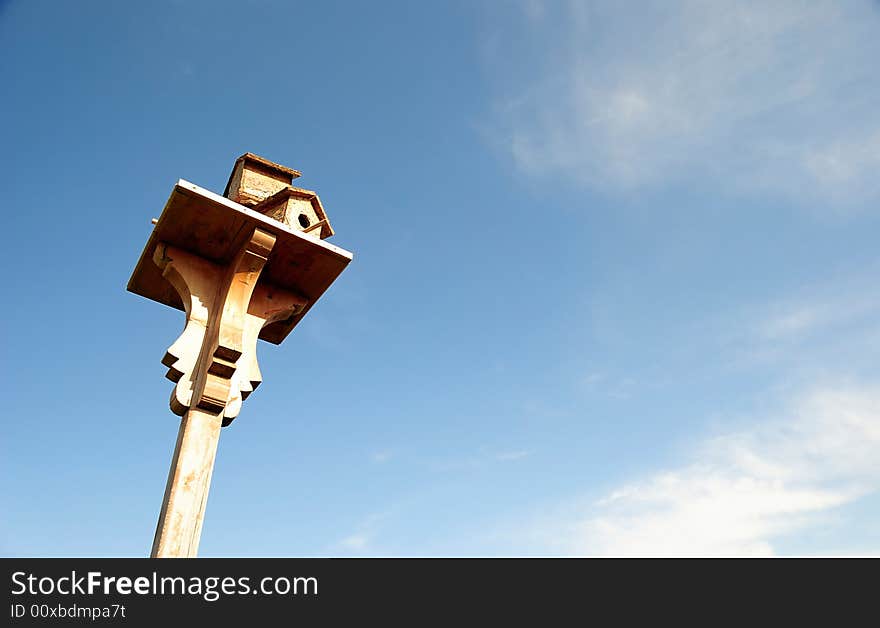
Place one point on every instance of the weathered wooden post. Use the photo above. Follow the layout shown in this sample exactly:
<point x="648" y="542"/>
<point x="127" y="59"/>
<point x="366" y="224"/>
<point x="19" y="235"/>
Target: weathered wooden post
<point x="243" y="266"/>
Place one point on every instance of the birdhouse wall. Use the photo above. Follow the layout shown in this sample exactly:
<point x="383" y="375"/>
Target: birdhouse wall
<point x="249" y="185"/>
<point x="296" y="213"/>
<point x="301" y="214"/>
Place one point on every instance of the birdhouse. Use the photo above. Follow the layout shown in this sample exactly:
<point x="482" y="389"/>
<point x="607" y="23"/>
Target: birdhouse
<point x="266" y="187"/>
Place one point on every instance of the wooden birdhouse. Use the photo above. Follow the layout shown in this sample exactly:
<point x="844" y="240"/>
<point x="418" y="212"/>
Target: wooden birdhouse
<point x="266" y="187"/>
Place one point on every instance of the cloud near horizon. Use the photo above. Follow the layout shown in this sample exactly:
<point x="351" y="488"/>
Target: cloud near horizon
<point x="739" y="493"/>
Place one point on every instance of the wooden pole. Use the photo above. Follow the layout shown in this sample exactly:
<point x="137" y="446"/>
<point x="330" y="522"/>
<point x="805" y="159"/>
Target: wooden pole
<point x="186" y="493"/>
<point x="214" y="365"/>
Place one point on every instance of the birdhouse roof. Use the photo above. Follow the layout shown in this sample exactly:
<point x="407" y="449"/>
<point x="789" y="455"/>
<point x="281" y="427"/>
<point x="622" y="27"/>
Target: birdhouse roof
<point x="255" y="162"/>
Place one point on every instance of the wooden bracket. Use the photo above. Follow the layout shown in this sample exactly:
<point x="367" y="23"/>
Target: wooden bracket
<point x="214" y="361"/>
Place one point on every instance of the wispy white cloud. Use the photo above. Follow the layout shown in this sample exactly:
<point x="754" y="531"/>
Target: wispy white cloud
<point x="380" y="456"/>
<point x="484" y="457"/>
<point x="593" y="378"/>
<point x="610" y="386"/>
<point x="776" y="97"/>
<point x="832" y="326"/>
<point x="743" y="492"/>
<point x="510" y="456"/>
<point x="362" y="541"/>
<point x="792" y="320"/>
<point x="749" y="489"/>
<point x="358" y="542"/>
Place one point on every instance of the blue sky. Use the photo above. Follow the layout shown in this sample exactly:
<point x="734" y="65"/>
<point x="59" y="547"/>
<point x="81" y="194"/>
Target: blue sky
<point x="614" y="288"/>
